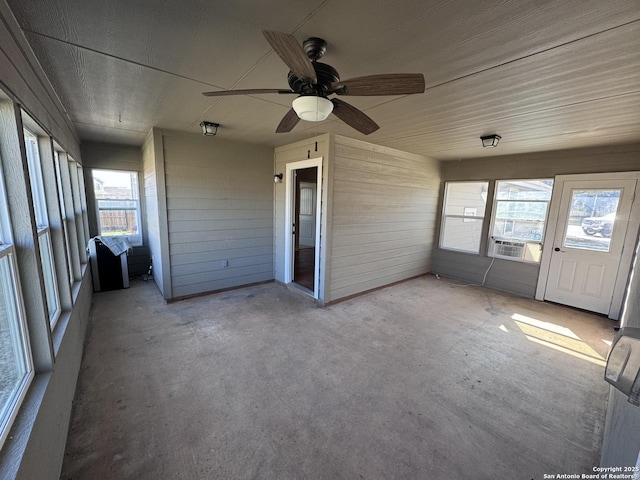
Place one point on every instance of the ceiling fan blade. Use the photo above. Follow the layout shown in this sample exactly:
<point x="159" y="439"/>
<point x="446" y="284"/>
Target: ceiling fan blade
<point x="353" y="117"/>
<point x="250" y="91"/>
<point x="289" y="121"/>
<point x="291" y="53"/>
<point x="384" y="84"/>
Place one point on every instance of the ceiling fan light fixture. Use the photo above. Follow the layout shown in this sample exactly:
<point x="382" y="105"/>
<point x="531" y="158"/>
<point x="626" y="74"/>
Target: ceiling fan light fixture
<point x="490" y="141"/>
<point x="312" y="108"/>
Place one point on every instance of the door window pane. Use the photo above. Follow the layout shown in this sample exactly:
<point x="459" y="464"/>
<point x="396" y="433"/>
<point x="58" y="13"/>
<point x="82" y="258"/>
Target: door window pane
<point x="306" y="201"/>
<point x="591" y="219"/>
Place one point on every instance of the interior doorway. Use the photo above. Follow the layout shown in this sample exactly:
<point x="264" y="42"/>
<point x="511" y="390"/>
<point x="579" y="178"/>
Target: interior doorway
<point x="305" y="227"/>
<point x="302" y="224"/>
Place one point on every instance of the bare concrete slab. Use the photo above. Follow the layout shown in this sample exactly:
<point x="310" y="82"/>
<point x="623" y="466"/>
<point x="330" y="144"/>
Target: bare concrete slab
<point x="424" y="379"/>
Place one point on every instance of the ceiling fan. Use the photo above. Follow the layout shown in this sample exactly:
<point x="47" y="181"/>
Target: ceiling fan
<point x="314" y="81"/>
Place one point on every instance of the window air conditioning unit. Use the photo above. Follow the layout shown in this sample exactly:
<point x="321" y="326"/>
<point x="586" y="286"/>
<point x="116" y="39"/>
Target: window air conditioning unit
<point x="507" y="249"/>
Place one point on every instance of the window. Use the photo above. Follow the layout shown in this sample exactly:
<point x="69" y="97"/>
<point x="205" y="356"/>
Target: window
<point x="519" y="219"/>
<point x="63" y="209"/>
<point x="463" y="216"/>
<point x="44" y="235"/>
<point x="16" y="367"/>
<point x="76" y="206"/>
<point x="118" y="204"/>
<point x="83" y="206"/>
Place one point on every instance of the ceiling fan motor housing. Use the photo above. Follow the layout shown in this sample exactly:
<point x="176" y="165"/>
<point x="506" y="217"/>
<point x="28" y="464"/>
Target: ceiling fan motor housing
<point x="314" y="48"/>
<point x="326" y="76"/>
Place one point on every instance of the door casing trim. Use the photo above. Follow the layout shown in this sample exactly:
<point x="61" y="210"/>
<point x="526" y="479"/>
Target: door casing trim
<point x="289" y="181"/>
<point x="631" y="236"/>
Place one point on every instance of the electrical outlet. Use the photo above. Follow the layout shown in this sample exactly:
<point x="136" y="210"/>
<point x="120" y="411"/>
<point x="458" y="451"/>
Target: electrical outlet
<point x="225" y="263"/>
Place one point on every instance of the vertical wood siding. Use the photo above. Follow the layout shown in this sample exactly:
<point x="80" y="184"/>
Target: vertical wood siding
<point x="384" y="209"/>
<point x="220" y="212"/>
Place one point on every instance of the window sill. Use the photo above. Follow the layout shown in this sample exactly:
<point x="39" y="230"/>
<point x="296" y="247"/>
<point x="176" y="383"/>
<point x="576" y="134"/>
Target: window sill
<point x="75" y="288"/>
<point x="58" y="332"/>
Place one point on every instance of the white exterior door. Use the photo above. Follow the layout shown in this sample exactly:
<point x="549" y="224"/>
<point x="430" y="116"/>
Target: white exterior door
<point x="307" y="214"/>
<point x="590" y="234"/>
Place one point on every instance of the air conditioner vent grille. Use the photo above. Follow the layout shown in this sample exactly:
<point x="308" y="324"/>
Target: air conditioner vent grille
<point x="507" y="249"/>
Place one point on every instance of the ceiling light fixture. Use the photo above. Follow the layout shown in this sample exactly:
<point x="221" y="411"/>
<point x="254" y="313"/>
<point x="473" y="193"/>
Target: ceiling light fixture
<point x="209" y="128"/>
<point x="490" y="141"/>
<point x="312" y="108"/>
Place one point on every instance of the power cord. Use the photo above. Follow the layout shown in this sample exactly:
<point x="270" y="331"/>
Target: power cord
<point x="484" y="278"/>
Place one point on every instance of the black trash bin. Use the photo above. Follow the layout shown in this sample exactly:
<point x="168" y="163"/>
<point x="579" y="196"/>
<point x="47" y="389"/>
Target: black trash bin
<point x="109" y="270"/>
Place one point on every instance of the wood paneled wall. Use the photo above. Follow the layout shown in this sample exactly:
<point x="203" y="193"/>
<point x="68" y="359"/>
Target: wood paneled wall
<point x="621" y="158"/>
<point x="379" y="213"/>
<point x="155" y="212"/>
<point x="384" y="209"/>
<point x="313" y="148"/>
<point x="219" y="203"/>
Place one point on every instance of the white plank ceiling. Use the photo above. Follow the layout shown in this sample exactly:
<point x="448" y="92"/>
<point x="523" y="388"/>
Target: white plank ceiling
<point x="545" y="75"/>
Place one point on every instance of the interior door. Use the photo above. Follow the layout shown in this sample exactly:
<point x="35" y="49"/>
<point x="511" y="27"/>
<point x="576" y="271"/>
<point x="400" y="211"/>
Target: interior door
<point x="307" y="223"/>
<point x="589" y="238"/>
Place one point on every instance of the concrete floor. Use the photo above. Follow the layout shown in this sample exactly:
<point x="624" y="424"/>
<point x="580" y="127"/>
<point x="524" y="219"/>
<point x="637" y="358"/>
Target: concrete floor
<point x="423" y="379"/>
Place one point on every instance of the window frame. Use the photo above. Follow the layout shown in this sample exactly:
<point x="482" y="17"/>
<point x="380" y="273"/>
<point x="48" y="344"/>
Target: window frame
<point x="35" y="177"/>
<point x="134" y="239"/>
<point x="493" y="239"/>
<point x="9" y="411"/>
<point x="60" y="165"/>
<point x="52" y="294"/>
<point x="476" y="216"/>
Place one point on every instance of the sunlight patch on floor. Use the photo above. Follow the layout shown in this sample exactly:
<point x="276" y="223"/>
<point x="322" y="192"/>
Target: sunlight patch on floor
<point x="551" y="327"/>
<point x="557" y="337"/>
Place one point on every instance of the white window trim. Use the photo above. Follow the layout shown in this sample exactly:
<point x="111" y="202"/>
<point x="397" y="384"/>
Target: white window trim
<point x="5" y="227"/>
<point x="7" y="251"/>
<point x="35" y="174"/>
<point x="63" y="210"/>
<point x="53" y="318"/>
<point x="40" y="207"/>
<point x="462" y="217"/>
<point x="494" y="209"/>
<point x="134" y="240"/>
